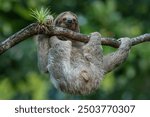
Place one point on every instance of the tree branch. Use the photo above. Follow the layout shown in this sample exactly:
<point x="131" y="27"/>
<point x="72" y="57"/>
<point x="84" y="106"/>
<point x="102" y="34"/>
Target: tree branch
<point x="35" y="28"/>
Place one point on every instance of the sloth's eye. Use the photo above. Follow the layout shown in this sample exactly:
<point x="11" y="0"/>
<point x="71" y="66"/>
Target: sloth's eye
<point x="74" y="19"/>
<point x="64" y="19"/>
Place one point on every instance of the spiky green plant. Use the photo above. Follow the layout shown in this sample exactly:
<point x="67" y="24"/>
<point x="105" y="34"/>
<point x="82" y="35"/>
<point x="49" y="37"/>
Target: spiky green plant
<point x="40" y="15"/>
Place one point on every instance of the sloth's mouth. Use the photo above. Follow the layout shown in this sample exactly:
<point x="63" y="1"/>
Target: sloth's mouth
<point x="71" y="26"/>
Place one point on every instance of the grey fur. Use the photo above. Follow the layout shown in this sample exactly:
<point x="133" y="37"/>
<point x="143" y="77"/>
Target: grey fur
<point x="43" y="45"/>
<point x="42" y="50"/>
<point x="73" y="70"/>
<point x="78" y="68"/>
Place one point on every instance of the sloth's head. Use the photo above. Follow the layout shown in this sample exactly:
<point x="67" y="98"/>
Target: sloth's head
<point x="67" y="20"/>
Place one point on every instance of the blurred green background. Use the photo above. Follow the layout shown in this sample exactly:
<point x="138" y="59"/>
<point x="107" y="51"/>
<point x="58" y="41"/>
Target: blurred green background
<point x="19" y="74"/>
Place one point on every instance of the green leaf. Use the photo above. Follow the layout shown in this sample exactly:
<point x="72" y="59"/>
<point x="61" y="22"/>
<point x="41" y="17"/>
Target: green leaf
<point x="40" y="15"/>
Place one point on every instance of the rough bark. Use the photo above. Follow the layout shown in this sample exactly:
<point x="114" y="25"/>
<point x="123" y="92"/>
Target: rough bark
<point x="35" y="28"/>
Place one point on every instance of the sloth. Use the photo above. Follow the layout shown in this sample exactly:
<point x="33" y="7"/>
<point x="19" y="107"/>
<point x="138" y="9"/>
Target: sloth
<point x="76" y="67"/>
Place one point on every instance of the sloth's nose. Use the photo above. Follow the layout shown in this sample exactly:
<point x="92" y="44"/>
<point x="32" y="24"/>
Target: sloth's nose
<point x="69" y="21"/>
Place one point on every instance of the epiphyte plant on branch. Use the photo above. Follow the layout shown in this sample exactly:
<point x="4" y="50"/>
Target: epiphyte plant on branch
<point x="75" y="61"/>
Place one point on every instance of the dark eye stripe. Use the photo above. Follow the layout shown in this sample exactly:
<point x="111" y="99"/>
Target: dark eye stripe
<point x="64" y="19"/>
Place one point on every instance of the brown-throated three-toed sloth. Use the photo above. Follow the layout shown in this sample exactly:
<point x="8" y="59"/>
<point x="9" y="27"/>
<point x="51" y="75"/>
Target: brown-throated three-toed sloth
<point x="75" y="67"/>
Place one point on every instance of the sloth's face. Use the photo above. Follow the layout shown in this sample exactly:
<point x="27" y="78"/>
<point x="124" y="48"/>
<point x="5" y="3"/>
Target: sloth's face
<point x="69" y="21"/>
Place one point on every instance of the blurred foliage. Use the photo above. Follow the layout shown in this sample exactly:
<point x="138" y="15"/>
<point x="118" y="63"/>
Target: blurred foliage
<point x="20" y="77"/>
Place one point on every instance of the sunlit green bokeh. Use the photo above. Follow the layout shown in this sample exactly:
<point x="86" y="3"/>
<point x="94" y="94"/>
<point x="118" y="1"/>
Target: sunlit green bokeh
<point x="19" y="74"/>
